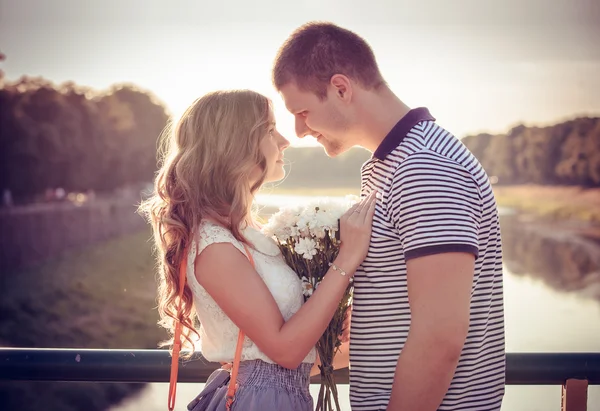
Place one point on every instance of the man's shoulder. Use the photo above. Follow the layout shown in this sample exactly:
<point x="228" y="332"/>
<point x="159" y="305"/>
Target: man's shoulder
<point x="427" y="160"/>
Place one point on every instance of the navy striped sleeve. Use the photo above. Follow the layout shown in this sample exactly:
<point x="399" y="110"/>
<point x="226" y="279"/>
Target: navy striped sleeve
<point x="435" y="205"/>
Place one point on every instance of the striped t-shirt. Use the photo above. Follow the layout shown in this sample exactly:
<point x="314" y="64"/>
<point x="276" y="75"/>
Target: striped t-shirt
<point x="436" y="198"/>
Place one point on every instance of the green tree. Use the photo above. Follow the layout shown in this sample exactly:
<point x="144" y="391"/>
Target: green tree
<point x="579" y="155"/>
<point x="73" y="137"/>
<point x="136" y="120"/>
<point x="477" y="145"/>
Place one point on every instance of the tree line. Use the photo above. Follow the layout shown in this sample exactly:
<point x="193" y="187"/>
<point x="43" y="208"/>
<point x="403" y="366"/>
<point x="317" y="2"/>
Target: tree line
<point x="81" y="139"/>
<point x="563" y="154"/>
<point x="567" y="153"/>
<point x="76" y="138"/>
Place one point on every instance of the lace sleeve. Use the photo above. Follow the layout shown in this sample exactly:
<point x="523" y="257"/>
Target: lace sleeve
<point x="209" y="233"/>
<point x="218" y="334"/>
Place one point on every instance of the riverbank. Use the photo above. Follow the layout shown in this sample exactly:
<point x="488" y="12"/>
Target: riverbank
<point x="104" y="297"/>
<point x="101" y="296"/>
<point x="574" y="209"/>
<point x="552" y="269"/>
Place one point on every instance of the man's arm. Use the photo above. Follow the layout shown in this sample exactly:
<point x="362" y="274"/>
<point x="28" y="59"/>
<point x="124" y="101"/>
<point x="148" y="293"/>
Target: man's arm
<point x="436" y="207"/>
<point x="439" y="291"/>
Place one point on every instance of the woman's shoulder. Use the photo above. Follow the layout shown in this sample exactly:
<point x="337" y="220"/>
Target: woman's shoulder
<point x="210" y="232"/>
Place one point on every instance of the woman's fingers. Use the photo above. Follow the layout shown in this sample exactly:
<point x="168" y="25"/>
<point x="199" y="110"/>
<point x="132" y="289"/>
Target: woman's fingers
<point x="368" y="210"/>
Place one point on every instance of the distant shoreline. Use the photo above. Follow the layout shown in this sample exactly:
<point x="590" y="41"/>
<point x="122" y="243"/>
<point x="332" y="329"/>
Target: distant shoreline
<point x="311" y="191"/>
<point x="570" y="206"/>
<point x="553" y="202"/>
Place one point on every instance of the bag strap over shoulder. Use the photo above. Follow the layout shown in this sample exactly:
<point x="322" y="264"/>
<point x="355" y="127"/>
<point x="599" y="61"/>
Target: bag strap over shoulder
<point x="177" y="340"/>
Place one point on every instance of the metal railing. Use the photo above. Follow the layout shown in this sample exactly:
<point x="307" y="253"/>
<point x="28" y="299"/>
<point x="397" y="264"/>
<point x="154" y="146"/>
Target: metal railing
<point x="573" y="371"/>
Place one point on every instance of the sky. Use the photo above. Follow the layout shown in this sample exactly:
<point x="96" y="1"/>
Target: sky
<point x="479" y="66"/>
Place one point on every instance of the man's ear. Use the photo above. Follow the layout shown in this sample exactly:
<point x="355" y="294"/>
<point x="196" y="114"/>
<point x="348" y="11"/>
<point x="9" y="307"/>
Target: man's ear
<point x="342" y="86"/>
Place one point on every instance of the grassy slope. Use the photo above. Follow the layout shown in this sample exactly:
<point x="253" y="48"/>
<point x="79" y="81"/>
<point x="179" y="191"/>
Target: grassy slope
<point x="98" y="297"/>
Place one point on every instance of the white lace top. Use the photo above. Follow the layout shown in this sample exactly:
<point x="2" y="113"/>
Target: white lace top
<point x="217" y="332"/>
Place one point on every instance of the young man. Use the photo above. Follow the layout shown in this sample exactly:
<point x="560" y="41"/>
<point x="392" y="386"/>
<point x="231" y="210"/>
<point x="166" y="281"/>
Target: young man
<point x="427" y="329"/>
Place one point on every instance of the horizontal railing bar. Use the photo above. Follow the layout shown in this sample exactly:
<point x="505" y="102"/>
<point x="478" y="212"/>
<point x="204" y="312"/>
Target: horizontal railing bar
<point x="100" y="365"/>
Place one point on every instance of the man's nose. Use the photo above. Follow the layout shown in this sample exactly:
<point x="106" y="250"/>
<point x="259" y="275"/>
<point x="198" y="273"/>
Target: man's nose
<point x="301" y="128"/>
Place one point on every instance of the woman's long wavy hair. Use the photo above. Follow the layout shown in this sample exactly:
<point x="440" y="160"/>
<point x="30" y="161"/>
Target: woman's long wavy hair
<point x="207" y="161"/>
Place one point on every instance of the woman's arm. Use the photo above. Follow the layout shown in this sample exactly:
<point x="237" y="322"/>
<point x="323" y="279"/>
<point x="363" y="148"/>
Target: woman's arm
<point x="240" y="292"/>
<point x="230" y="279"/>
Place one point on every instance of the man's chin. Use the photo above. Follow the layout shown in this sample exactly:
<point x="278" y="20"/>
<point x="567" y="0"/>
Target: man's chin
<point x="332" y="151"/>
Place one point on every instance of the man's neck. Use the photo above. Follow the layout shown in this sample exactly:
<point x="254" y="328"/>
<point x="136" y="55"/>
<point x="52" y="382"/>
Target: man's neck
<point x="381" y="111"/>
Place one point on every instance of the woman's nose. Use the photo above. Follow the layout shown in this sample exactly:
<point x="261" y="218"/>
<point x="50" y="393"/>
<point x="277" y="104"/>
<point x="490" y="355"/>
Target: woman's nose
<point x="284" y="143"/>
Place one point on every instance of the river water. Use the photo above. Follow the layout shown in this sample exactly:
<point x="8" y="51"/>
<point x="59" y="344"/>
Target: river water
<point x="552" y="304"/>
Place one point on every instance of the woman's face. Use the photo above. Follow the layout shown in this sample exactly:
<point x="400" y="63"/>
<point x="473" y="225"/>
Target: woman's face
<point x="272" y="147"/>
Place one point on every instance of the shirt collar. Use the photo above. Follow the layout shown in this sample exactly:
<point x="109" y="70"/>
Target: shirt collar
<point x="400" y="130"/>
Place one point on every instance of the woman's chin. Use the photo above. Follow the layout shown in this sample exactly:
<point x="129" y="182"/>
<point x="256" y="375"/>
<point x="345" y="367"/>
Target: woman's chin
<point x="280" y="175"/>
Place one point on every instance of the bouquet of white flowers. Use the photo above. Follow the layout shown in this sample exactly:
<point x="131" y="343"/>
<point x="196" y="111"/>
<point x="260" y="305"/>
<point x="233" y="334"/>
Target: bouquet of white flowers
<point x="308" y="238"/>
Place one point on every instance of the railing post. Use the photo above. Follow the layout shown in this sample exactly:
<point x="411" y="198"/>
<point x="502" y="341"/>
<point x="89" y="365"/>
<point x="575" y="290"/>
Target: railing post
<point x="574" y="395"/>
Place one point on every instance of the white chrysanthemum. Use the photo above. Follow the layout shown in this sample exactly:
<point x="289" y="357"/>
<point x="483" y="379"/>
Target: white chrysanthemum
<point x="318" y="232"/>
<point x="327" y="215"/>
<point x="307" y="247"/>
<point x="294" y="231"/>
<point x="312" y="220"/>
<point x="282" y="225"/>
<point x="307" y="287"/>
<point x="268" y="230"/>
<point x="306" y="221"/>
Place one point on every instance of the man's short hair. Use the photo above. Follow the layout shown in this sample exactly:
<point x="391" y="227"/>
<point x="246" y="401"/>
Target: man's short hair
<point x="316" y="51"/>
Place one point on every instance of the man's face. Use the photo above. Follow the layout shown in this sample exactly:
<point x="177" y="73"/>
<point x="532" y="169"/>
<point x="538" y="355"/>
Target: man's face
<point x="325" y="120"/>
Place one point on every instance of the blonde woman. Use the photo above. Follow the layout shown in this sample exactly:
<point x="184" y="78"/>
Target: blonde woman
<point x="224" y="147"/>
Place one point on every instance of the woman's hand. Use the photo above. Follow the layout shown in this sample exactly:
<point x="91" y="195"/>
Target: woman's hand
<point x="355" y="232"/>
